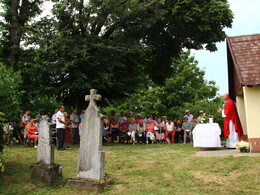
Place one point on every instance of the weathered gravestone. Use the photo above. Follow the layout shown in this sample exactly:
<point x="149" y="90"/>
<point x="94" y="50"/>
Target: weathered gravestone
<point x="90" y="174"/>
<point x="45" y="170"/>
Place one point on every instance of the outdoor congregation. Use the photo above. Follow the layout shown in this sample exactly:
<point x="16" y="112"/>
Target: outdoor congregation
<point x="124" y="129"/>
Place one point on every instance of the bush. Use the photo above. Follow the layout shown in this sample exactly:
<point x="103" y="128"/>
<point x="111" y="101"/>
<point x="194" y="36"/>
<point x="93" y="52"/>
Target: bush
<point x="10" y="93"/>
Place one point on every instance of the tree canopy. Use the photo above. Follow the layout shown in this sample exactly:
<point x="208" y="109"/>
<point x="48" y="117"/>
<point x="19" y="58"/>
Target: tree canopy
<point x="118" y="47"/>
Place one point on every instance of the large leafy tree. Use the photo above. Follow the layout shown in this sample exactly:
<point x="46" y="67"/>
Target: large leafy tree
<point x="116" y="47"/>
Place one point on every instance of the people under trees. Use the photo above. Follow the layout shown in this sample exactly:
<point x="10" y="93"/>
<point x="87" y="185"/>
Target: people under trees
<point x="125" y="128"/>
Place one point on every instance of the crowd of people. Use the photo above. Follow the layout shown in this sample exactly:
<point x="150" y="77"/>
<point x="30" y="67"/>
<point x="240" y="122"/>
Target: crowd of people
<point x="149" y="129"/>
<point x="66" y="128"/>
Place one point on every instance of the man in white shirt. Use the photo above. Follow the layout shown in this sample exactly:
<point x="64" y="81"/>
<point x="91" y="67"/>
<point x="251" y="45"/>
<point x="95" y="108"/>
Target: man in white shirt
<point x="53" y="118"/>
<point x="60" y="126"/>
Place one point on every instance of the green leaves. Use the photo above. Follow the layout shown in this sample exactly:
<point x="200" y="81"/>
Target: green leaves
<point x="186" y="88"/>
<point x="10" y="93"/>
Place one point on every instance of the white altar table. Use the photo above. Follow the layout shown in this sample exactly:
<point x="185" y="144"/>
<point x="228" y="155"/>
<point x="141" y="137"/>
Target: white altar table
<point x="207" y="135"/>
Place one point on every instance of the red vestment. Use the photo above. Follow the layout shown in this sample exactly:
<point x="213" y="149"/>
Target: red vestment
<point x="231" y="114"/>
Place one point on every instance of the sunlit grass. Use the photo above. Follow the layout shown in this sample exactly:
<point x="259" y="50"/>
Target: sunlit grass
<point x="142" y="169"/>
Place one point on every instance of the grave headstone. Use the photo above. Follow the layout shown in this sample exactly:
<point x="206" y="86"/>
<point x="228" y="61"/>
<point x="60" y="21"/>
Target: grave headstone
<point x="45" y="170"/>
<point x="90" y="172"/>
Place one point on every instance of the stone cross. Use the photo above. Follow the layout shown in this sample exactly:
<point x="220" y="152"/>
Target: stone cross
<point x="92" y="97"/>
<point x="90" y="156"/>
<point x="45" y="150"/>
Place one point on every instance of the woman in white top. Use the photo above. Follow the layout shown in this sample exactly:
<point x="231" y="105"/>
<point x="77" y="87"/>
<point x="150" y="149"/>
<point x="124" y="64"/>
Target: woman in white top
<point x="170" y="131"/>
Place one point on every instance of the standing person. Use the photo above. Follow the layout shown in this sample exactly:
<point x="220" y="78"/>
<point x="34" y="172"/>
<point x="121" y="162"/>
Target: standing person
<point x="170" y="131"/>
<point x="121" y="117"/>
<point x="232" y="126"/>
<point x="53" y="118"/>
<point x="189" y="116"/>
<point x="32" y="131"/>
<point x="53" y="127"/>
<point x="164" y="119"/>
<point x="139" y="118"/>
<point x="200" y="117"/>
<point x="60" y="126"/>
<point x="68" y="134"/>
<point x="81" y="115"/>
<point x="147" y="116"/>
<point x="113" y="115"/>
<point x="130" y="116"/>
<point x="39" y="116"/>
<point x="186" y="127"/>
<point x="25" y="121"/>
<point x="74" y="119"/>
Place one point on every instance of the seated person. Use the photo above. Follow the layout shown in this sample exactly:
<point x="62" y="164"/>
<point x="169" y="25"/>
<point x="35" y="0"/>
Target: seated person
<point x="132" y="130"/>
<point x="123" y="131"/>
<point x="150" y="131"/>
<point x="141" y="134"/>
<point x="106" y="129"/>
<point x="160" y="131"/>
<point x="186" y="127"/>
<point x="179" y="133"/>
<point x="114" y="130"/>
<point x="32" y="131"/>
<point x="193" y="125"/>
<point x="170" y="131"/>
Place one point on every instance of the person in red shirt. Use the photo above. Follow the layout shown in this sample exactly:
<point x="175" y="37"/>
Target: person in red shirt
<point x="32" y="131"/>
<point x="232" y="126"/>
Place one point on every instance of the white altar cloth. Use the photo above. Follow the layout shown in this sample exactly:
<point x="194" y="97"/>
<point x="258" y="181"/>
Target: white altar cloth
<point x="207" y="135"/>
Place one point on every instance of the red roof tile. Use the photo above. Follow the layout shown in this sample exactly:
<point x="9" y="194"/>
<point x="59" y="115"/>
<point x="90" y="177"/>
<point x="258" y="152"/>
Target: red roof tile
<point x="245" y="52"/>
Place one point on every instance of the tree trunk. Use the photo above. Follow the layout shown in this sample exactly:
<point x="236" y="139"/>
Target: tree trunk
<point x="15" y="34"/>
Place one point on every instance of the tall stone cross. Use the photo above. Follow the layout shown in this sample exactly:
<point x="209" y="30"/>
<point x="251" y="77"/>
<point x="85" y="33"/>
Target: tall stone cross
<point x="90" y="157"/>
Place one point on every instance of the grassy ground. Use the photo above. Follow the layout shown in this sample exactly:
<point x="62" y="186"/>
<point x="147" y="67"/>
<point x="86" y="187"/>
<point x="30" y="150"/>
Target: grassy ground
<point x="142" y="169"/>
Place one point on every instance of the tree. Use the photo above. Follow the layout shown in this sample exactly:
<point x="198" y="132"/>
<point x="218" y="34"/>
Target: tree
<point x="17" y="14"/>
<point x="185" y="87"/>
<point x="10" y="93"/>
<point x="117" y="46"/>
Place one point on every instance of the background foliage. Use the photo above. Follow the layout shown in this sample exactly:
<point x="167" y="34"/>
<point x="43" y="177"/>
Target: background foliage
<point x="130" y="51"/>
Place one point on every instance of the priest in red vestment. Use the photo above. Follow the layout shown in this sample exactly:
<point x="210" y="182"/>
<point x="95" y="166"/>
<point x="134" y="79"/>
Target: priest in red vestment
<point x="232" y="126"/>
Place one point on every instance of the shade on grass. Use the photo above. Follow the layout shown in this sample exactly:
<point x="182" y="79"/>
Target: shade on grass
<point x="142" y="169"/>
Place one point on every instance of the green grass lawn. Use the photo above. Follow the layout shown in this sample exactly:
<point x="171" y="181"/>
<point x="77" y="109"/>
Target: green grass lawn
<point x="142" y="169"/>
